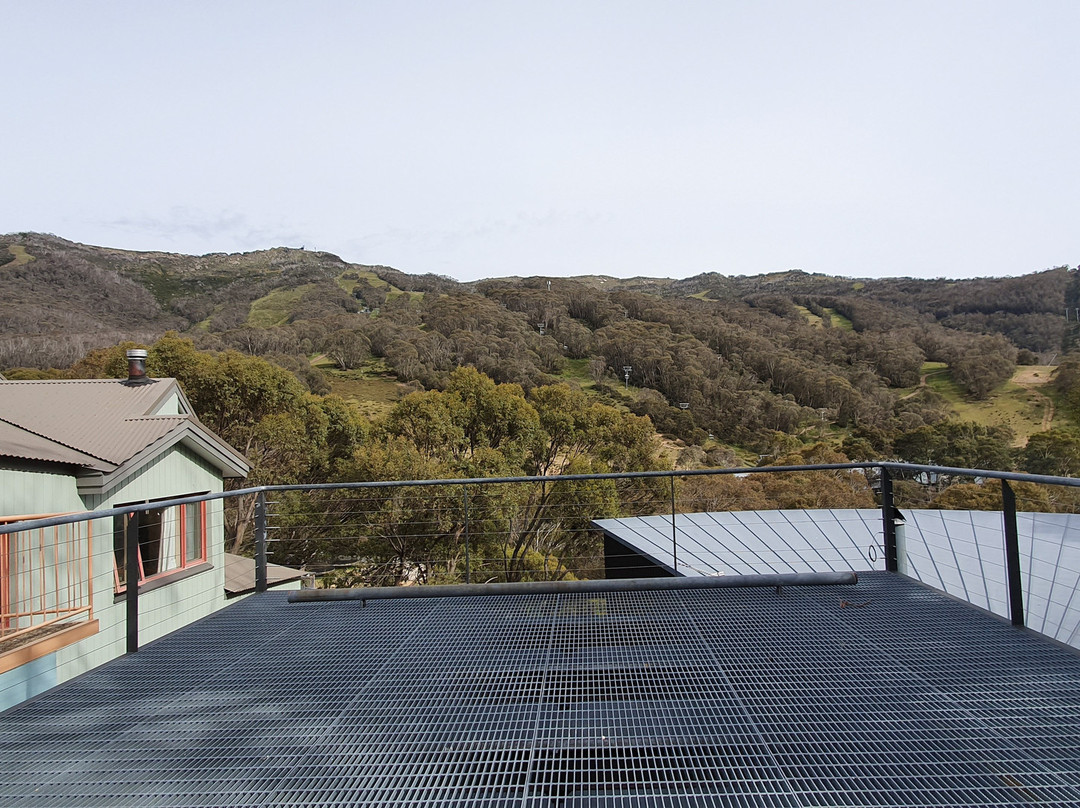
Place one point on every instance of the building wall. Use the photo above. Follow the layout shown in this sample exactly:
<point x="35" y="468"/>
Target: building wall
<point x="170" y="606"/>
<point x="28" y="491"/>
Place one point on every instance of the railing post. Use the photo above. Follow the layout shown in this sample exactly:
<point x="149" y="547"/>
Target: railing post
<point x="260" y="542"/>
<point x="131" y="576"/>
<point x="674" y="540"/>
<point x="1012" y="555"/>
<point x="465" y="505"/>
<point x="888" y="522"/>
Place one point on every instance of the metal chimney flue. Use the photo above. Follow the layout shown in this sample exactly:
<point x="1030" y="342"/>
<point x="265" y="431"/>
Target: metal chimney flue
<point x="137" y="366"/>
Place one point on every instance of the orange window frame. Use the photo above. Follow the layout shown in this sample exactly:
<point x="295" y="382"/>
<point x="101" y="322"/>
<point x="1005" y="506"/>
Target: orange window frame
<point x="184" y="563"/>
<point x="200" y="557"/>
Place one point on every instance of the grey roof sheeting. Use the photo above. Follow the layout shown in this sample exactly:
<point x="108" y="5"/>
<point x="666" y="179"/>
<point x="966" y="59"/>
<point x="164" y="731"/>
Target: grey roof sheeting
<point x="85" y="414"/>
<point x="240" y="575"/>
<point x="958" y="552"/>
<point x="19" y="443"/>
<point x="102" y="425"/>
<point x="748" y="542"/>
<point x="138" y="433"/>
<point x="881" y="694"/>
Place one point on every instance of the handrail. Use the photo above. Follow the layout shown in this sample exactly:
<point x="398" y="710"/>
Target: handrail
<point x="1012" y="476"/>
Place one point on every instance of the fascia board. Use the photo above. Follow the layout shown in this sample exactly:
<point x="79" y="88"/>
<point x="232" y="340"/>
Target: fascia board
<point x="192" y="436"/>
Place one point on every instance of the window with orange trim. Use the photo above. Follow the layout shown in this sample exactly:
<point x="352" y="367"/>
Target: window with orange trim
<point x="170" y="539"/>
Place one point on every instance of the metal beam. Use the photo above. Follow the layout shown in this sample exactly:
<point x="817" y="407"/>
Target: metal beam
<point x="572" y="587"/>
<point x="131" y="581"/>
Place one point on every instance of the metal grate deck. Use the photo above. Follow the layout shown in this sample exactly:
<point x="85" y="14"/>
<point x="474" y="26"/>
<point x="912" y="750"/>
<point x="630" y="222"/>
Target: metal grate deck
<point x="719" y="697"/>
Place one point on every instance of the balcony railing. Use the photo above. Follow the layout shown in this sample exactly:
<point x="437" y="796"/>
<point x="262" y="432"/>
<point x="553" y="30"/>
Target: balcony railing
<point x="45" y="574"/>
<point x="1022" y="558"/>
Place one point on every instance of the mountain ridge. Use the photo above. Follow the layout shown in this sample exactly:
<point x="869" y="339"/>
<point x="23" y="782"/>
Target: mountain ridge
<point x="748" y="356"/>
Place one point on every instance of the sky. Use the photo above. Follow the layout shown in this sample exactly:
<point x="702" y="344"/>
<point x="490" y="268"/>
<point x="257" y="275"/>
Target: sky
<point x="485" y="139"/>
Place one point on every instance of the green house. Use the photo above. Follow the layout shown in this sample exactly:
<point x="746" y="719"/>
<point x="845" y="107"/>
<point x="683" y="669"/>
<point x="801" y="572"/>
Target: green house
<point x="69" y="446"/>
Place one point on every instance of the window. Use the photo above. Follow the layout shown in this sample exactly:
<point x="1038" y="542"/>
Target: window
<point x="170" y="539"/>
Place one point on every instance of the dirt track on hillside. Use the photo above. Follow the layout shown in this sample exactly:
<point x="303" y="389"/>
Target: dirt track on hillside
<point x="1031" y="377"/>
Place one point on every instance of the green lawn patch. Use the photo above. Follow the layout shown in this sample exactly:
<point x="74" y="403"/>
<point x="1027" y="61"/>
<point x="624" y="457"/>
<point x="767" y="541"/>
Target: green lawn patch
<point x="576" y="371"/>
<point x="811" y="318"/>
<point x="21" y="255"/>
<point x="839" y="320"/>
<point x="275" y="308"/>
<point x="939" y="379"/>
<point x="398" y="293"/>
<point x="373" y="389"/>
<point x="323" y="362"/>
<point x="1020" y="407"/>
<point x="363" y="279"/>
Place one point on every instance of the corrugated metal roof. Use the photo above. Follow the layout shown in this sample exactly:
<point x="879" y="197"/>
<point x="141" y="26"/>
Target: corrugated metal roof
<point x="95" y="423"/>
<point x="85" y="414"/>
<point x="135" y="434"/>
<point x="240" y="574"/>
<point x="878" y="695"/>
<point x="17" y="442"/>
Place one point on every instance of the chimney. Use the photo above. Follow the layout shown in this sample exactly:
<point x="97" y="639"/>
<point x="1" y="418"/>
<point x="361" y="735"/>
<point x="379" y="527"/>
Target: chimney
<point x="137" y="367"/>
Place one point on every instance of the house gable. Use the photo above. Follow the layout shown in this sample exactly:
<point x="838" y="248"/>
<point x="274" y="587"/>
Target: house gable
<point x="67" y="447"/>
<point x="105" y="428"/>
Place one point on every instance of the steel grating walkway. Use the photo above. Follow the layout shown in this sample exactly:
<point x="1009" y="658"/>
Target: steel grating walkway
<point x="881" y="694"/>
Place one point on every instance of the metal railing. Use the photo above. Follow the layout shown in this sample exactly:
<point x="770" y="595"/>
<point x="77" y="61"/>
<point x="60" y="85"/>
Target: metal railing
<point x="542" y="528"/>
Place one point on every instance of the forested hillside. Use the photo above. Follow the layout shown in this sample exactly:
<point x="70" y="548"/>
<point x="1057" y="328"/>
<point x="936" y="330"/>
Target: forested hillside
<point x="736" y="366"/>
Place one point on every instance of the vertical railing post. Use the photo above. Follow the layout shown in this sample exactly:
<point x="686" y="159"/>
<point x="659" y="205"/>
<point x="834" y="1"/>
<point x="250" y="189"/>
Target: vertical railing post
<point x="1012" y="555"/>
<point x="888" y="522"/>
<point x="131" y="576"/>
<point x="465" y="506"/>
<point x="260" y="542"/>
<point x="674" y="540"/>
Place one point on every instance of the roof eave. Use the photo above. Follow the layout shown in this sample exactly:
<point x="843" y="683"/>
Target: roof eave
<point x="193" y="436"/>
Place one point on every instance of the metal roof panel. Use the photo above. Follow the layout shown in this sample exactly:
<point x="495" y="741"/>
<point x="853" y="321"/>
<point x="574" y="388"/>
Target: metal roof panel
<point x="105" y="419"/>
<point x="19" y="443"/>
<point x="958" y="552"/>
<point x="86" y="414"/>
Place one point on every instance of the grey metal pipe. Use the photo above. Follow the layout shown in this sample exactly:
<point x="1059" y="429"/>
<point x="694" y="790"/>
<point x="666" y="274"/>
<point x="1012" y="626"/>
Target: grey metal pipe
<point x="569" y="587"/>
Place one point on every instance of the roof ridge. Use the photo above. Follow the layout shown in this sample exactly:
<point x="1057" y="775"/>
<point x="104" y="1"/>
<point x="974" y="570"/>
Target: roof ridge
<point x="64" y="381"/>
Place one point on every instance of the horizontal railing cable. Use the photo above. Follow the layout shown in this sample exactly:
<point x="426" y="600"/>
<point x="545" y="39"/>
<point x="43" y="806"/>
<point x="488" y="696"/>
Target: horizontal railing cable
<point x="553" y="480"/>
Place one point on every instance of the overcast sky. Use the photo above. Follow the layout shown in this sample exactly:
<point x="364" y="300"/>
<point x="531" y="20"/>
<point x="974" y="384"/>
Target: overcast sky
<point x="479" y="139"/>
